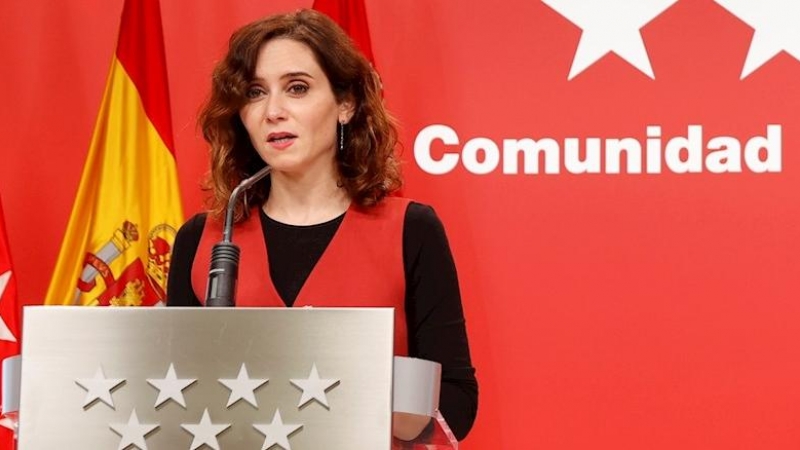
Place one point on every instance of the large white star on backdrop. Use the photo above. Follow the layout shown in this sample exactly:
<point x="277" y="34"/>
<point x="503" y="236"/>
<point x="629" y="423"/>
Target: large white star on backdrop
<point x="610" y="26"/>
<point x="243" y="387"/>
<point x="170" y="387"/>
<point x="99" y="388"/>
<point x="5" y="333"/>
<point x="277" y="433"/>
<point x="133" y="432"/>
<point x="314" y="388"/>
<point x="777" y="28"/>
<point x="205" y="432"/>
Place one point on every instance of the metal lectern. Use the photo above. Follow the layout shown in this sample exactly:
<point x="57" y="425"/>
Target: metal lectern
<point x="189" y="378"/>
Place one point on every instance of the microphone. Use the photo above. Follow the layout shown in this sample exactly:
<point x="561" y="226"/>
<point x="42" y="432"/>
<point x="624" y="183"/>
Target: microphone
<point x="221" y="288"/>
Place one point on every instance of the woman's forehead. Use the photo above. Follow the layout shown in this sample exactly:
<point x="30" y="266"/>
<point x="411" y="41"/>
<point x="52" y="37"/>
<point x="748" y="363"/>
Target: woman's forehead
<point x="282" y="56"/>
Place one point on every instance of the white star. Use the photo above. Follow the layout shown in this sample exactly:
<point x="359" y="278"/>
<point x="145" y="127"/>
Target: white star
<point x="777" y="25"/>
<point x="205" y="432"/>
<point x="243" y="387"/>
<point x="133" y="432"/>
<point x="314" y="388"/>
<point x="610" y="26"/>
<point x="5" y="333"/>
<point x="170" y="387"/>
<point x="99" y="388"/>
<point x="277" y="433"/>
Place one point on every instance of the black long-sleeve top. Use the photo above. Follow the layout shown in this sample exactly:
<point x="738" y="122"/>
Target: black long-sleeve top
<point x="434" y="315"/>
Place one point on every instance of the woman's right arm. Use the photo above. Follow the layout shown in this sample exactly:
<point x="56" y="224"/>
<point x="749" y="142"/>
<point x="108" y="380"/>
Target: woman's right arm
<point x="179" y="283"/>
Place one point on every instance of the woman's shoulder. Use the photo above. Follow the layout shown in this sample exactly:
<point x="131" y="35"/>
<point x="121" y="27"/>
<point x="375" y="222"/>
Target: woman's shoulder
<point x="196" y="222"/>
<point x="422" y="227"/>
<point x="192" y="229"/>
<point x="414" y="211"/>
<point x="422" y="216"/>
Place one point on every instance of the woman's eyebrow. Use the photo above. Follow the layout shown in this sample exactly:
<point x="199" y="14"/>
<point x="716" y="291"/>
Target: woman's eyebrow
<point x="296" y="74"/>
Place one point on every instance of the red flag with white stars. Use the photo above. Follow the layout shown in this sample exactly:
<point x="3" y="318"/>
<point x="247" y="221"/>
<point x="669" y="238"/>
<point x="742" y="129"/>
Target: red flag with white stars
<point x="9" y="319"/>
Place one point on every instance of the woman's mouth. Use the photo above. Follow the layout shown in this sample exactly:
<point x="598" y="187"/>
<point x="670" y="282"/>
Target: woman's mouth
<point x="280" y="140"/>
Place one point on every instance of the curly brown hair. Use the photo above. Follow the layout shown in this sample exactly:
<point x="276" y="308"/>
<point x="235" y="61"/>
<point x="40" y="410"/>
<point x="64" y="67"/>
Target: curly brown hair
<point x="367" y="166"/>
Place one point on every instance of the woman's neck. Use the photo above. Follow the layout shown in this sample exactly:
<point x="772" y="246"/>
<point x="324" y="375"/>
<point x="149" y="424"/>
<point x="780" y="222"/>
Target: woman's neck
<point x="298" y="201"/>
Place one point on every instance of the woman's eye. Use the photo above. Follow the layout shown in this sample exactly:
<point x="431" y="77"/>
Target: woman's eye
<point x="254" y="92"/>
<point x="298" y="89"/>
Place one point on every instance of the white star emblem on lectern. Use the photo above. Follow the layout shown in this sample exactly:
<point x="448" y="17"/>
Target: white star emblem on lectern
<point x="243" y="387"/>
<point x="5" y="333"/>
<point x="777" y="28"/>
<point x="170" y="387"/>
<point x="205" y="432"/>
<point x="610" y="26"/>
<point x="99" y="388"/>
<point x="277" y="433"/>
<point x="314" y="388"/>
<point x="133" y="432"/>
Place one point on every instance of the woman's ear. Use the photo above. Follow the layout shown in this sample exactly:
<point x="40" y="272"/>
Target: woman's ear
<point x="346" y="111"/>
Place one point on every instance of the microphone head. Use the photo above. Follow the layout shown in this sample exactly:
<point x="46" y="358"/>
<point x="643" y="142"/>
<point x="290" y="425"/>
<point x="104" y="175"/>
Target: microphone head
<point x="222" y="276"/>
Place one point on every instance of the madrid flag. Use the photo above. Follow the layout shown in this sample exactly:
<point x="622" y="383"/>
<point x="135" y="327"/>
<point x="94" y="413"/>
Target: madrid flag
<point x="117" y="246"/>
<point x="9" y="319"/>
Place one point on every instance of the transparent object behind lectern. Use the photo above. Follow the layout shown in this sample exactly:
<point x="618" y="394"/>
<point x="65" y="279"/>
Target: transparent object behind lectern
<point x="436" y="436"/>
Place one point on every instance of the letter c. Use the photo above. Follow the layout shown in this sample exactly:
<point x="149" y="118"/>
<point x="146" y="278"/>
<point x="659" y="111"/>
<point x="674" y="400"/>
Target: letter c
<point x="422" y="149"/>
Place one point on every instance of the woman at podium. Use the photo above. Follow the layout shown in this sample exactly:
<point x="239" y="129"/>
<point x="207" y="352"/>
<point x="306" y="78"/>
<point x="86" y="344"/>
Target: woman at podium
<point x="324" y="228"/>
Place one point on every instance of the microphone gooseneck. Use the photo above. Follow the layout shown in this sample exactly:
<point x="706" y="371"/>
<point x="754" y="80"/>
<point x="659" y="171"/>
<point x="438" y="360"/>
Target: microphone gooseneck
<point x="224" y="270"/>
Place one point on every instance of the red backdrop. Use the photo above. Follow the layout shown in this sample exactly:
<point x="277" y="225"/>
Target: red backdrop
<point x="605" y="311"/>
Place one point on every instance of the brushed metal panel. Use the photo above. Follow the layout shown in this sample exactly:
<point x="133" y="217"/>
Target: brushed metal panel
<point x="63" y="344"/>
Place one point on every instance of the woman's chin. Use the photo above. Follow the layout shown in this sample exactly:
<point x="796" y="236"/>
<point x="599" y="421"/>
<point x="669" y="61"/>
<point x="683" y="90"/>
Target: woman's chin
<point x="294" y="168"/>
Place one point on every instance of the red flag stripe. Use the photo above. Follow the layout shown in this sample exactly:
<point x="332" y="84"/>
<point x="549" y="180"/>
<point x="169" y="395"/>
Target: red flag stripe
<point x="351" y="15"/>
<point x="140" y="50"/>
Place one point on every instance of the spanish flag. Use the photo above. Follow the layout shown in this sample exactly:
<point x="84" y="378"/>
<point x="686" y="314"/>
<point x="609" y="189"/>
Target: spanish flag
<point x="117" y="247"/>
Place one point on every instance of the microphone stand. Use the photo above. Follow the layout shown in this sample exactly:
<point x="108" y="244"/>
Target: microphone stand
<point x="221" y="288"/>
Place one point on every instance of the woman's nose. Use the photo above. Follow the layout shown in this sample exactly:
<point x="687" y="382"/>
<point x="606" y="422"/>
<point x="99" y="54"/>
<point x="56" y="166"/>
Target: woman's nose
<point x="275" y="108"/>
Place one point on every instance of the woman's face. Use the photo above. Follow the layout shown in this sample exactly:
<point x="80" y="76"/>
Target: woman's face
<point x="292" y="115"/>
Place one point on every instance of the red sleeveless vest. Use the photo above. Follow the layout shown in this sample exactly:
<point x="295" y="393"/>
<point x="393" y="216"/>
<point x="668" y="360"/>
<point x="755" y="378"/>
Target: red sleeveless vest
<point x="361" y="267"/>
